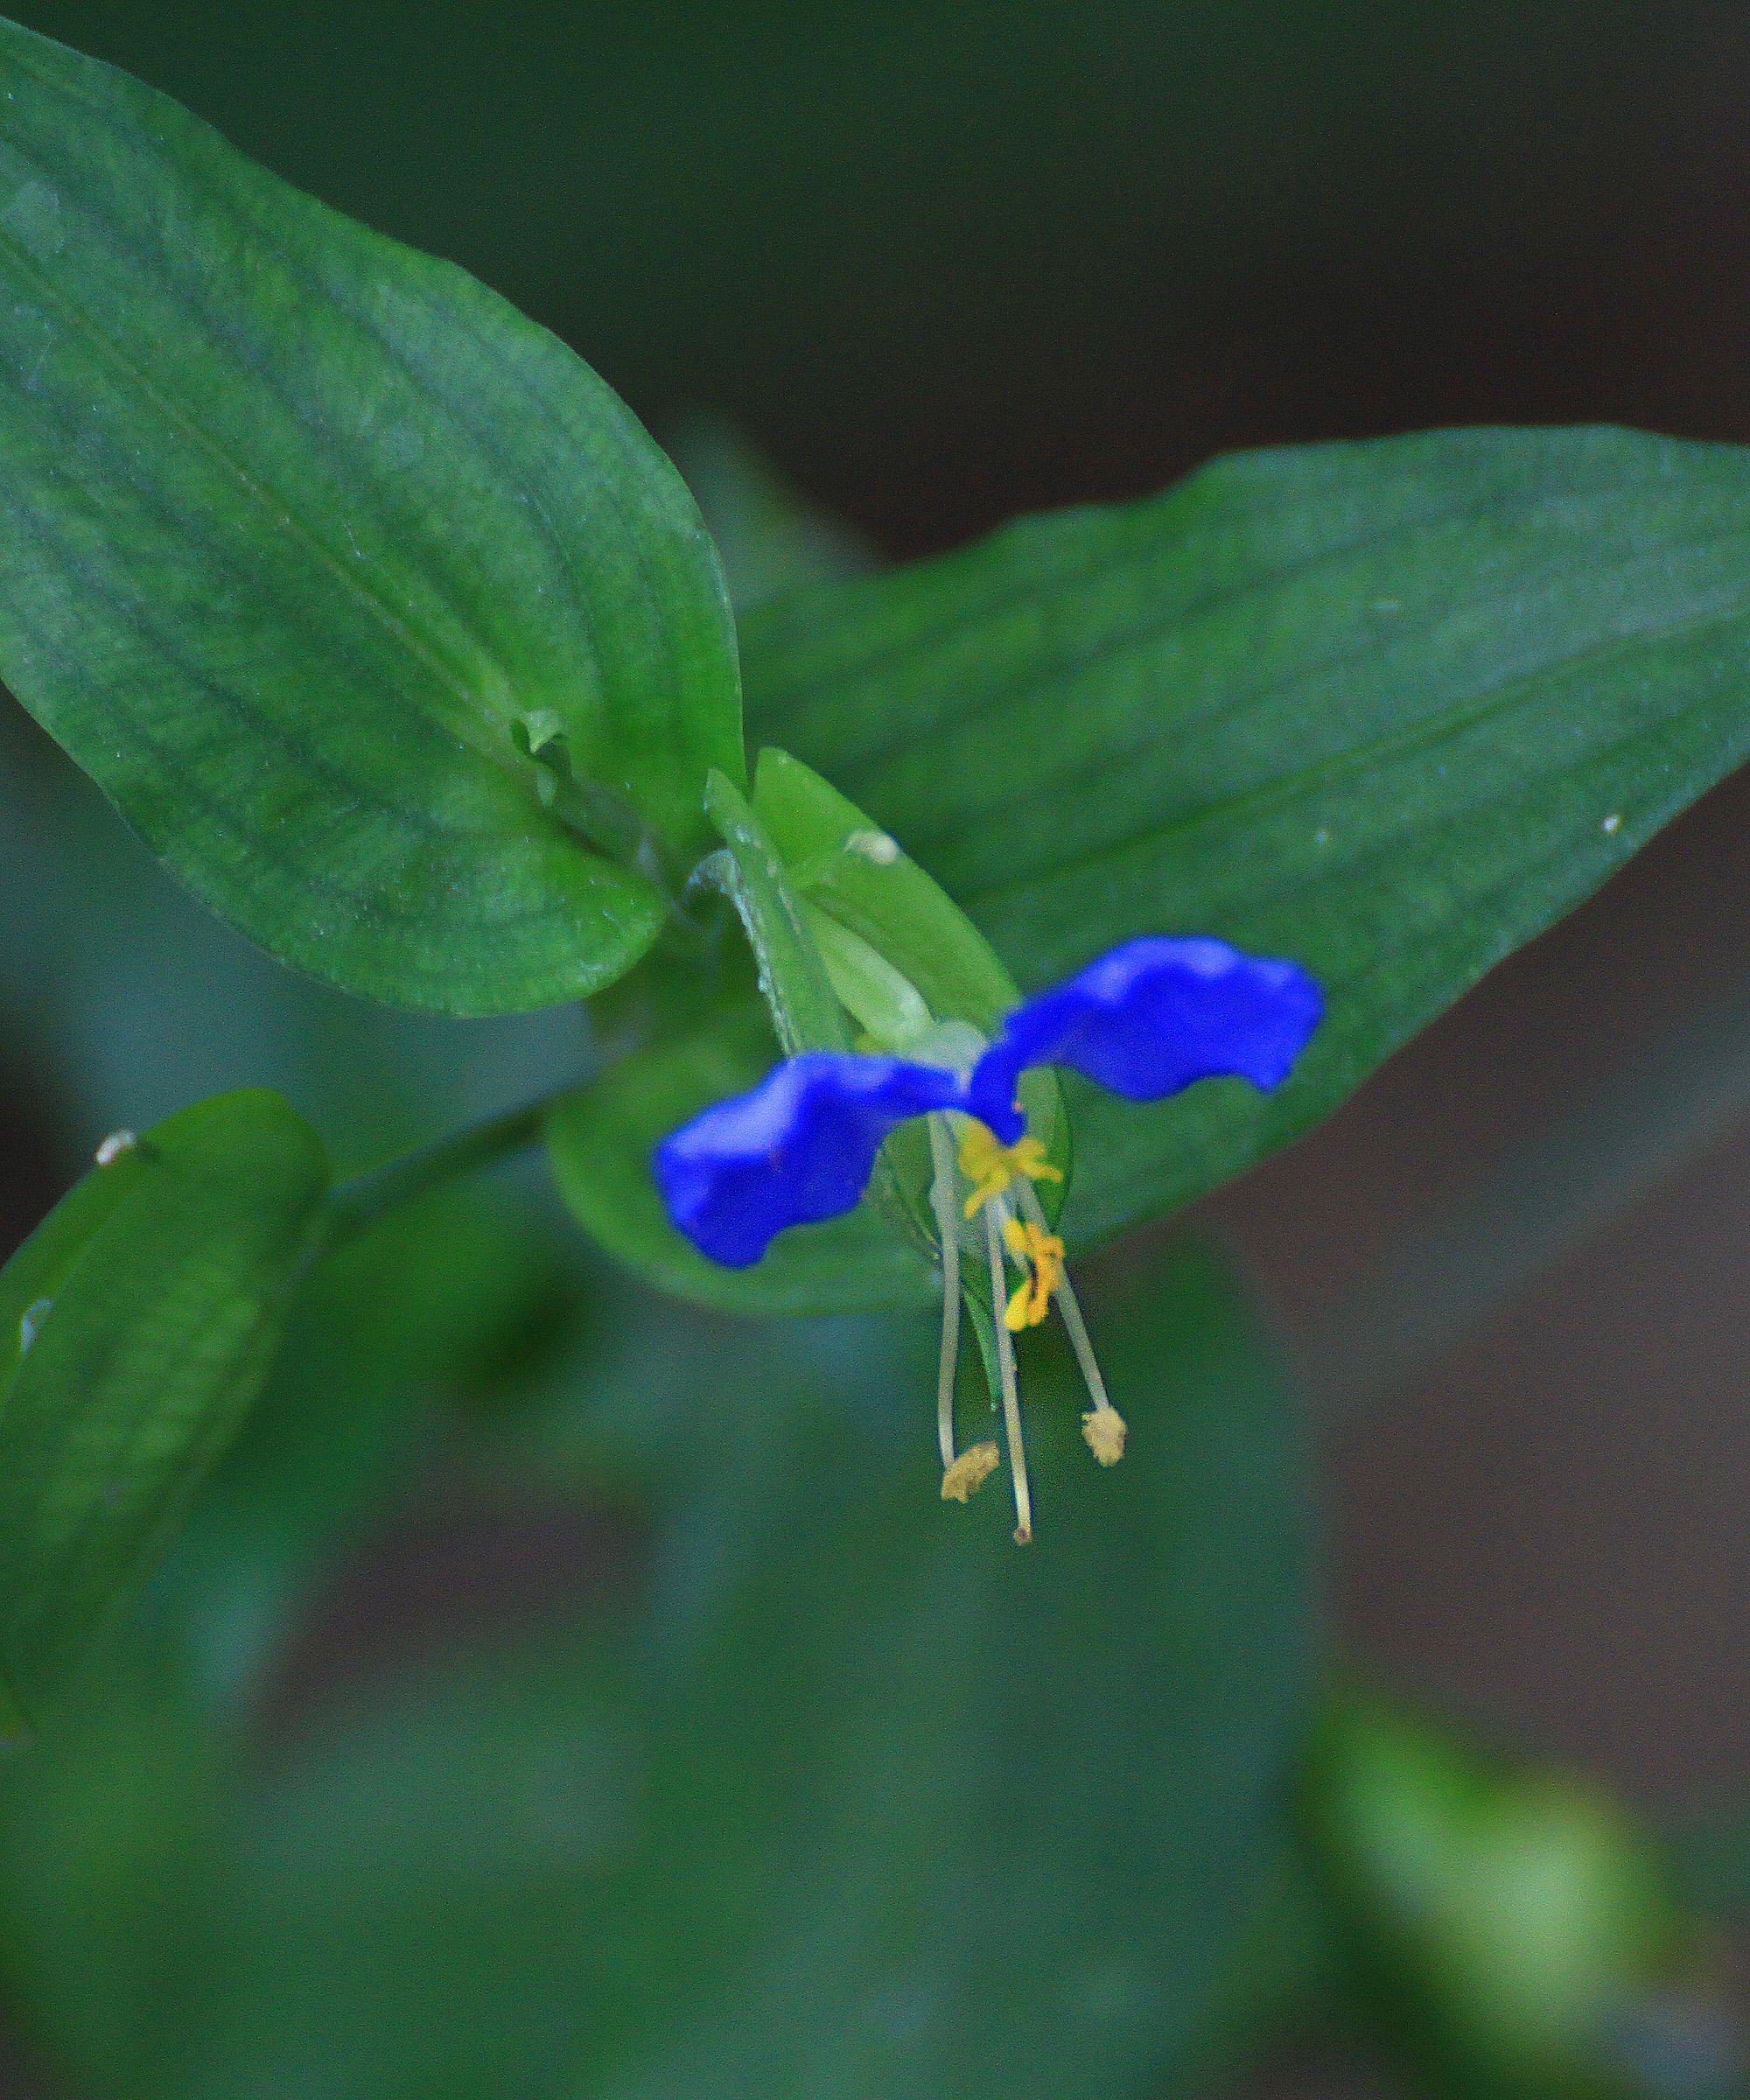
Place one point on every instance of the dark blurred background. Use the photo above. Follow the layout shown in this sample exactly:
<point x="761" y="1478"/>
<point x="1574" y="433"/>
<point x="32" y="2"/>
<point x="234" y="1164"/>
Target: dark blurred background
<point x="946" y="265"/>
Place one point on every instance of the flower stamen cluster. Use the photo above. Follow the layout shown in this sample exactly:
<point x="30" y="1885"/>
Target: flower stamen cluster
<point x="990" y="1166"/>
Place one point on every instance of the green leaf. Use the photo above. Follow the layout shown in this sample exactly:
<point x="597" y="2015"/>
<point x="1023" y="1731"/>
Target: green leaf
<point x="978" y="1820"/>
<point x="1388" y="709"/>
<point x="137" y="1326"/>
<point x="357" y="592"/>
<point x="600" y="1141"/>
<point x="889" y="1807"/>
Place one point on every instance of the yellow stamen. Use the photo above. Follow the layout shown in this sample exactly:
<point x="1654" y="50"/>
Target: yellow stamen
<point x="1043" y="1254"/>
<point x="969" y="1473"/>
<point x="990" y="1166"/>
<point x="1103" y="1427"/>
<point x="1104" y="1430"/>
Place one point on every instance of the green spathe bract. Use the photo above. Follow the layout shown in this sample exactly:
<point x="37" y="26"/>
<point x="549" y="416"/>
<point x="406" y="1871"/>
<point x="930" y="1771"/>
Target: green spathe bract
<point x="137" y="1325"/>
<point x="311" y="547"/>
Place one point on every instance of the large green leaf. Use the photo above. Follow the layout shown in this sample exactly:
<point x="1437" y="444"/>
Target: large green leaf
<point x="137" y="1325"/>
<point x="311" y="547"/>
<point x="885" y="1805"/>
<point x="1389" y="709"/>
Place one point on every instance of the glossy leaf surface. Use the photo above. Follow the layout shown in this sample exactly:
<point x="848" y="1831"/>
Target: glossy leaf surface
<point x="1387" y="709"/>
<point x="309" y="542"/>
<point x="137" y="1326"/>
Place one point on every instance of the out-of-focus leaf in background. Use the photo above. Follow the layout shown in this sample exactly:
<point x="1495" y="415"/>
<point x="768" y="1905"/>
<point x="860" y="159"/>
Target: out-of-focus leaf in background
<point x="769" y="541"/>
<point x="123" y="999"/>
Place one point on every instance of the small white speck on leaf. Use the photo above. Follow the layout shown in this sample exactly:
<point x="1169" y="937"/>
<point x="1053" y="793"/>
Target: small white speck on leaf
<point x="1388" y="605"/>
<point x="30" y="1326"/>
<point x="1321" y="836"/>
<point x="113" y="1145"/>
<point x="874" y="845"/>
<point x="1610" y="822"/>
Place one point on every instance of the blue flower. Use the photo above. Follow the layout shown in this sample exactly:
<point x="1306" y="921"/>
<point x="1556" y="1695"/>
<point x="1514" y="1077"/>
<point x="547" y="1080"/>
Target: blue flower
<point x="798" y="1148"/>
<point x="1147" y="1020"/>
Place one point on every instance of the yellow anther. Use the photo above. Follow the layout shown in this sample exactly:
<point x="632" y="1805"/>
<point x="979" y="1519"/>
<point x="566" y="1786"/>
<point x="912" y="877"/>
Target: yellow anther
<point x="990" y="1166"/>
<point x="1105" y="1431"/>
<point x="1043" y="1254"/>
<point x="969" y="1473"/>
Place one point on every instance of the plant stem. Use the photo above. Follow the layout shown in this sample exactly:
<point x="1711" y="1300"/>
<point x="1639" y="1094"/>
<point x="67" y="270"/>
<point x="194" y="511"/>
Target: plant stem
<point x="358" y="1204"/>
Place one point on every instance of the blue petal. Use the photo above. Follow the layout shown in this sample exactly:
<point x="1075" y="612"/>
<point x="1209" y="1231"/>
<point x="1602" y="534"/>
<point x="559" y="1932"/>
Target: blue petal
<point x="1149" y="1019"/>
<point x="798" y="1148"/>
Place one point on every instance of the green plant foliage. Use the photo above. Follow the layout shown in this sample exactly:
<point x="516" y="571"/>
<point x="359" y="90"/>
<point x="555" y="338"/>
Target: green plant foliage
<point x="1712" y="1858"/>
<point x="359" y="594"/>
<point x="137" y="1326"/>
<point x="1388" y="709"/>
<point x="416" y="1312"/>
<point x="769" y="539"/>
<point x="870" y="1802"/>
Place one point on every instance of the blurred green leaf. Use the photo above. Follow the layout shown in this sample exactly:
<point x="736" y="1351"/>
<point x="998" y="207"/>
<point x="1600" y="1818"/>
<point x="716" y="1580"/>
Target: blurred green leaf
<point x="1629" y="1127"/>
<point x="1389" y="709"/>
<point x="312" y="547"/>
<point x="415" y="1312"/>
<point x="769" y="540"/>
<point x="1509" y="1932"/>
<point x="137" y="1326"/>
<point x="899" y="1809"/>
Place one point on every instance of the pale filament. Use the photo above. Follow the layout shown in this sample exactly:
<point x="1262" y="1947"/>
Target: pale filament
<point x="943" y="1201"/>
<point x="1005" y="1366"/>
